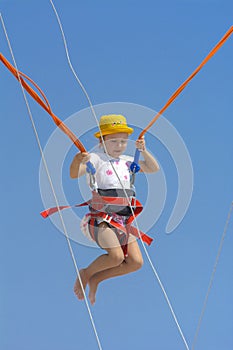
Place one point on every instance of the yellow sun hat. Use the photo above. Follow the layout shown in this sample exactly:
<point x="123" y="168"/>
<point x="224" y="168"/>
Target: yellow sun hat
<point x="112" y="124"/>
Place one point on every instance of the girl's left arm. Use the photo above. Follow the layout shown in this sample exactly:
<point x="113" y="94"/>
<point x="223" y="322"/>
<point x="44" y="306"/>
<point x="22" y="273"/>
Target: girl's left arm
<point x="149" y="164"/>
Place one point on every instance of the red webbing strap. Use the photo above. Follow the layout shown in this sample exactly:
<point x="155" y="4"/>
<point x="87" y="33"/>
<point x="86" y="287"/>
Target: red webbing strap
<point x="128" y="229"/>
<point x="44" y="104"/>
<point x="122" y="237"/>
<point x="133" y="230"/>
<point x="97" y="202"/>
<point x="51" y="211"/>
<point x="182" y="86"/>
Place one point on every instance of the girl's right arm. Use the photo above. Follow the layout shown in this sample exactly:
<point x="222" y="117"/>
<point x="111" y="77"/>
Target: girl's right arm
<point x="78" y="165"/>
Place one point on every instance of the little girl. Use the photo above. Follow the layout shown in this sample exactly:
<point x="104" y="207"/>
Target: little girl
<point x="112" y="177"/>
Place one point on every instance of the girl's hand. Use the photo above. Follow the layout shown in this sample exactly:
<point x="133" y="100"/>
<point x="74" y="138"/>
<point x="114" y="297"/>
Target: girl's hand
<point x="141" y="144"/>
<point x="83" y="157"/>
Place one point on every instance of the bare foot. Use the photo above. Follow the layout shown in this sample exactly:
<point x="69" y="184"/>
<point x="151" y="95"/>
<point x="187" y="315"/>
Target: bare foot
<point x="77" y="287"/>
<point x="93" y="288"/>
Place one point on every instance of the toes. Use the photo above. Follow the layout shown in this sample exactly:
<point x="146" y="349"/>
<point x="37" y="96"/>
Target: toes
<point x="92" y="300"/>
<point x="79" y="294"/>
<point x="91" y="296"/>
<point x="92" y="293"/>
<point x="78" y="290"/>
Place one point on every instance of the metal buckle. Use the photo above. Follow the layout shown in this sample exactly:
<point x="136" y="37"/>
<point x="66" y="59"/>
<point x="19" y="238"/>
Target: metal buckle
<point x="133" y="202"/>
<point x="93" y="183"/>
<point x="107" y="218"/>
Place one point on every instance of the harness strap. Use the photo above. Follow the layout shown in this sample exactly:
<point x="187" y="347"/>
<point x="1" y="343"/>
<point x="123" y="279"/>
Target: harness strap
<point x="128" y="229"/>
<point x="97" y="202"/>
<point x="54" y="210"/>
<point x="110" y="200"/>
<point x="122" y="232"/>
<point x="121" y="236"/>
<point x="100" y="201"/>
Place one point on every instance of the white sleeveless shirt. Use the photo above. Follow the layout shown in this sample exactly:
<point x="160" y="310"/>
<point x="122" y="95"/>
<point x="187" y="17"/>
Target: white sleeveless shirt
<point x="106" y="177"/>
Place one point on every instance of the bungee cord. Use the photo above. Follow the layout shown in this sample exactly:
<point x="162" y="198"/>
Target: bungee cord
<point x="43" y="103"/>
<point x="50" y="181"/>
<point x="131" y="208"/>
<point x="183" y="86"/>
<point x="186" y="82"/>
<point x="212" y="276"/>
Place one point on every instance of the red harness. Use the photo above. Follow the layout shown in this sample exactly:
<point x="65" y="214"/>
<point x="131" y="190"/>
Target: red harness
<point x="100" y="204"/>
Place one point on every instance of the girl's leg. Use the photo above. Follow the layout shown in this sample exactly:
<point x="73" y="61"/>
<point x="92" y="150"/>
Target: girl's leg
<point x="107" y="240"/>
<point x="132" y="262"/>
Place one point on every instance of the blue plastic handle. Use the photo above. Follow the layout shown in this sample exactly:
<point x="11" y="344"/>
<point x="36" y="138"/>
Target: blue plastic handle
<point x="135" y="167"/>
<point x="136" y="156"/>
<point x="90" y="168"/>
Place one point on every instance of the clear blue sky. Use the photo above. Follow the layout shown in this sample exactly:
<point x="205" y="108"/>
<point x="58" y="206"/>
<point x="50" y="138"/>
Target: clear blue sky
<point x="133" y="52"/>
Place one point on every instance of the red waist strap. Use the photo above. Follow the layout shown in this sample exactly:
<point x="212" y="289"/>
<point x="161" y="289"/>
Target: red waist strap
<point x="54" y="210"/>
<point x="100" y="202"/>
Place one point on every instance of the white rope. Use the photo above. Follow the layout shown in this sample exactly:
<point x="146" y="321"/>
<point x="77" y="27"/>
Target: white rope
<point x="94" y="114"/>
<point x="51" y="184"/>
<point x="212" y="276"/>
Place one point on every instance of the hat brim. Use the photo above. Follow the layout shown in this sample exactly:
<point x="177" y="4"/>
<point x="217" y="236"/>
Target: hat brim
<point x="111" y="131"/>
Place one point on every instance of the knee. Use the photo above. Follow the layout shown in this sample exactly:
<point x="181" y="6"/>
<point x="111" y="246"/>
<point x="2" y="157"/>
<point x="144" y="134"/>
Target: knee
<point x="136" y="263"/>
<point x="117" y="257"/>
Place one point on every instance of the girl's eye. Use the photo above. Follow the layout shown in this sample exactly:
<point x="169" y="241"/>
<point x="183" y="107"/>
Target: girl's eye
<point x="123" y="142"/>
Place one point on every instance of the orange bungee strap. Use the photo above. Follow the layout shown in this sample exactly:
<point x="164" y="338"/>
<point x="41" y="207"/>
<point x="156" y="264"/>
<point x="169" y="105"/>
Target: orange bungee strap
<point x="134" y="166"/>
<point x="43" y="103"/>
<point x="186" y="82"/>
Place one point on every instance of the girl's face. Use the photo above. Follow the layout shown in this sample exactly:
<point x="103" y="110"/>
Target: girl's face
<point x="116" y="143"/>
